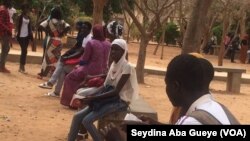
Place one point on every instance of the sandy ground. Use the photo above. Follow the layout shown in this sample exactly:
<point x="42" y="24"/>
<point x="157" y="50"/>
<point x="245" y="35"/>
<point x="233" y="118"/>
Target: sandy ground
<point x="27" y="114"/>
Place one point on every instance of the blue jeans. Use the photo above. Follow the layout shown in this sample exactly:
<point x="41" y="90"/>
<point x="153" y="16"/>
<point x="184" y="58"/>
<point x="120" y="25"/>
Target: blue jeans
<point x="59" y="74"/>
<point x="87" y="117"/>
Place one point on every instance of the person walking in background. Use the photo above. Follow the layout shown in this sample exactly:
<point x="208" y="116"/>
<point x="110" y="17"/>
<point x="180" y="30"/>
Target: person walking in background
<point x="56" y="28"/>
<point x="12" y="12"/>
<point x="244" y="48"/>
<point x="5" y="34"/>
<point x="234" y="47"/>
<point x="64" y="66"/>
<point x="24" y="34"/>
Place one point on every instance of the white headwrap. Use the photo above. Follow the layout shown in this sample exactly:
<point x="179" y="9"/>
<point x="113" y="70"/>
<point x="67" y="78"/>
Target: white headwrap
<point x="130" y="90"/>
<point x="116" y="67"/>
<point x="115" y="28"/>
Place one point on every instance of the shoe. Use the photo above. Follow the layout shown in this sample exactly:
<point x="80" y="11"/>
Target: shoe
<point x="4" y="70"/>
<point x="81" y="137"/>
<point x="22" y="71"/>
<point x="52" y="94"/>
<point x="46" y="85"/>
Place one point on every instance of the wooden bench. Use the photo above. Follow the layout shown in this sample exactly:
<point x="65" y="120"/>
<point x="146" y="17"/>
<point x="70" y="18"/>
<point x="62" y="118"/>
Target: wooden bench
<point x="137" y="107"/>
<point x="233" y="77"/>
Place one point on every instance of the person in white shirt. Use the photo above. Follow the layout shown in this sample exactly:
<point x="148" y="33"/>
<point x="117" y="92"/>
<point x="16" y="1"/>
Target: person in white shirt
<point x="24" y="34"/>
<point x="63" y="68"/>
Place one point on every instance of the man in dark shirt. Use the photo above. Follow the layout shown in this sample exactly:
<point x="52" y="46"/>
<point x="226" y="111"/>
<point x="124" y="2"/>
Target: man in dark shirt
<point x="5" y="33"/>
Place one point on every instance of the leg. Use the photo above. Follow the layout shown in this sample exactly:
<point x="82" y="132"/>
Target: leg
<point x="5" y="50"/>
<point x="24" y="42"/>
<point x="95" y="115"/>
<point x="76" y="122"/>
<point x="56" y="74"/>
<point x="65" y="70"/>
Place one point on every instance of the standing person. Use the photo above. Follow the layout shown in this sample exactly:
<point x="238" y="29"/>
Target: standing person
<point x="234" y="47"/>
<point x="93" y="62"/>
<point x="24" y="34"/>
<point x="56" y="28"/>
<point x="243" y="49"/>
<point x="122" y="78"/>
<point x="62" y="68"/>
<point x="5" y="33"/>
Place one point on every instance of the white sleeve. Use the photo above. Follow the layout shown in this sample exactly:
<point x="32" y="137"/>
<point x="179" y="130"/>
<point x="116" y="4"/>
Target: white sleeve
<point x="86" y="40"/>
<point x="44" y="23"/>
<point x="127" y="69"/>
<point x="185" y="120"/>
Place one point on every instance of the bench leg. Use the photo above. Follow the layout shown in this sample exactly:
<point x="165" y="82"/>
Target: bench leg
<point x="233" y="82"/>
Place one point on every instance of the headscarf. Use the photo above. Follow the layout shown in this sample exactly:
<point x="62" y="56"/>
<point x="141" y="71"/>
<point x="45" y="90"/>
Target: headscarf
<point x="115" y="28"/>
<point x="116" y="71"/>
<point x="98" y="33"/>
<point x="116" y="67"/>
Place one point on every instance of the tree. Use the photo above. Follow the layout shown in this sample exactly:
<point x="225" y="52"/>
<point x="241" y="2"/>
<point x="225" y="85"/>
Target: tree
<point x="192" y="38"/>
<point x="155" y="14"/>
<point x="98" y="11"/>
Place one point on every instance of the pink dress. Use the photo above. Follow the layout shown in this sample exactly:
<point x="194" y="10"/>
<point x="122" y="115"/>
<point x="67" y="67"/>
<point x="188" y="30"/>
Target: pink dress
<point x="95" y="57"/>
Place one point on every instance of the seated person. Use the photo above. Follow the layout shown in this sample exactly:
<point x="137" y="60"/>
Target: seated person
<point x="190" y="97"/>
<point x="122" y="77"/>
<point x="64" y="66"/>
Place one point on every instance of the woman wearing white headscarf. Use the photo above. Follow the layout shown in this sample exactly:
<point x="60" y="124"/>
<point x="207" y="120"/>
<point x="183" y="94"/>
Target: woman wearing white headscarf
<point x="122" y="78"/>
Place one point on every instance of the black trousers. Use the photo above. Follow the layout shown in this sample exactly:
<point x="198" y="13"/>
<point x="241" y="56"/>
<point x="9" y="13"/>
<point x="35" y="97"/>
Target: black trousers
<point x="23" y="42"/>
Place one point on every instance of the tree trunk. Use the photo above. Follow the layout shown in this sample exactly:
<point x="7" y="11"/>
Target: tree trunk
<point x="98" y="11"/>
<point x="225" y="30"/>
<point x="141" y="58"/>
<point x="192" y="38"/>
<point x="243" y="23"/>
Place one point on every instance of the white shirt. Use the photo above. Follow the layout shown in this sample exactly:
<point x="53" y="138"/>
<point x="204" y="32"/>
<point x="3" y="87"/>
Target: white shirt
<point x="208" y="104"/>
<point x="129" y="92"/>
<point x="11" y="11"/>
<point x="24" y="28"/>
<point x="86" y="40"/>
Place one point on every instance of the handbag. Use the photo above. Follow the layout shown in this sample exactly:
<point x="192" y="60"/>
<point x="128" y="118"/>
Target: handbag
<point x="98" y="103"/>
<point x="72" y="61"/>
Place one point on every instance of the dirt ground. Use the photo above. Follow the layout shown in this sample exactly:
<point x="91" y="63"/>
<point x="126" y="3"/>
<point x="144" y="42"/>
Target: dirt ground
<point x="27" y="114"/>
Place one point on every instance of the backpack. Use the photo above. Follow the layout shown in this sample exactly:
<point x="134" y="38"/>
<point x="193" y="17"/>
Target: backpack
<point x="206" y="118"/>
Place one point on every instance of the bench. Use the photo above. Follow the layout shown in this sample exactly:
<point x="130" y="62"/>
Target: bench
<point x="137" y="107"/>
<point x="233" y="77"/>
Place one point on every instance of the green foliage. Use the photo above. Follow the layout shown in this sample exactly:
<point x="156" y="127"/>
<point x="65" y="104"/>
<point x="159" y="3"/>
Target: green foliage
<point x="171" y="33"/>
<point x="217" y="31"/>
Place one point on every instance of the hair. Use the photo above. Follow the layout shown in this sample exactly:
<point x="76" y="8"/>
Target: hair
<point x="24" y="6"/>
<point x="56" y="13"/>
<point x="7" y="3"/>
<point x="194" y="74"/>
<point x="88" y="24"/>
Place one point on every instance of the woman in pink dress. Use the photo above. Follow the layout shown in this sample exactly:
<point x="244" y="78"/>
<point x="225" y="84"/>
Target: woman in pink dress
<point x="94" y="61"/>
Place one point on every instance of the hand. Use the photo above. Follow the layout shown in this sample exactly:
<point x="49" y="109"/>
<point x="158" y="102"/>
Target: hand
<point x="113" y="133"/>
<point x="148" y="120"/>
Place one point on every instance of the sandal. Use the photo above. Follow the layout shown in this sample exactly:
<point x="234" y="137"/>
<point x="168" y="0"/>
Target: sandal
<point x="46" y="85"/>
<point x="52" y="94"/>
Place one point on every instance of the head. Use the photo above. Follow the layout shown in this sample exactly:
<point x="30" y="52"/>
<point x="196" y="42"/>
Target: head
<point x="187" y="79"/>
<point x="84" y="27"/>
<point x="7" y="3"/>
<point x="98" y="33"/>
<point x="25" y="8"/>
<point x="114" y="30"/>
<point x="118" y="50"/>
<point x="56" y="13"/>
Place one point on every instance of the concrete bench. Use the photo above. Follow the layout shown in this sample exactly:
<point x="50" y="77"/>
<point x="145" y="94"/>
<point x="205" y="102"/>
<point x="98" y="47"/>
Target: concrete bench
<point x="137" y="107"/>
<point x="233" y="77"/>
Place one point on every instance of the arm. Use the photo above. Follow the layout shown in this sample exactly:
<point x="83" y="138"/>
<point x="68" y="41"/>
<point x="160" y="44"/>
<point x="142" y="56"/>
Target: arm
<point x="124" y="78"/>
<point x="87" y="54"/>
<point x="4" y="15"/>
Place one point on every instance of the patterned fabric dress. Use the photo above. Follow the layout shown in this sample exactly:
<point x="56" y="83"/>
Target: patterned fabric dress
<point x="55" y="29"/>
